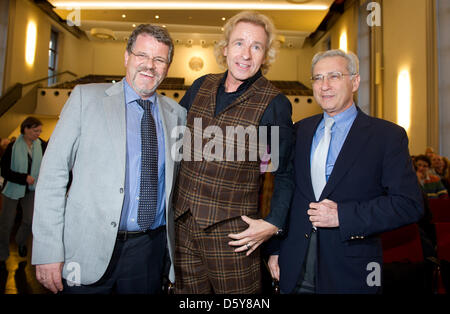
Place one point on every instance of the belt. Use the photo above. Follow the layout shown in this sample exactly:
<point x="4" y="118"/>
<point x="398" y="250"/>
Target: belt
<point x="123" y="235"/>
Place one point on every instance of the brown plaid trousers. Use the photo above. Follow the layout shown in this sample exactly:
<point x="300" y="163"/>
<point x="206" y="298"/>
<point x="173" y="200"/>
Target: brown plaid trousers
<point x="214" y="194"/>
<point x="205" y="263"/>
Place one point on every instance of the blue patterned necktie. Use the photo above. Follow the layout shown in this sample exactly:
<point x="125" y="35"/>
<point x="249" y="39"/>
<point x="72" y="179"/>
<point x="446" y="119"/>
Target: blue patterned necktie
<point x="148" y="195"/>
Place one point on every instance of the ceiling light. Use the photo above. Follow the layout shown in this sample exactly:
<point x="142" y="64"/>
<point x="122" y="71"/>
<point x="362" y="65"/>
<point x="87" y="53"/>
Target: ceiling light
<point x="223" y="19"/>
<point x="156" y="16"/>
<point x="124" y="16"/>
<point x="103" y="33"/>
<point x="184" y="5"/>
<point x="134" y="25"/>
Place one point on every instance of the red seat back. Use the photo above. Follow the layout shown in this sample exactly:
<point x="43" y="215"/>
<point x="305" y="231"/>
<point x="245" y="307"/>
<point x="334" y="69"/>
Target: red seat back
<point x="440" y="209"/>
<point x="402" y="245"/>
<point x="443" y="240"/>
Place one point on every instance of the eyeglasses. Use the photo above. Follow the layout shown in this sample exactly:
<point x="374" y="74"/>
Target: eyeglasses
<point x="331" y="77"/>
<point x="157" y="61"/>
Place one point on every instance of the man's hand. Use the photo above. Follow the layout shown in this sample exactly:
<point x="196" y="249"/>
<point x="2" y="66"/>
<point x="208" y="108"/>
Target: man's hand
<point x="49" y="275"/>
<point x="257" y="232"/>
<point x="324" y="214"/>
<point x="274" y="267"/>
<point x="420" y="175"/>
<point x="30" y="180"/>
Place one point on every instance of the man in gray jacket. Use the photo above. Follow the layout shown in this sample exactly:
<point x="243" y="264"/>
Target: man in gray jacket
<point x="112" y="231"/>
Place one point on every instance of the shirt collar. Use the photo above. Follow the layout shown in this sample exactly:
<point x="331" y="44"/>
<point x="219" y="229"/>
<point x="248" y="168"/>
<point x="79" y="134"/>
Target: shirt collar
<point x="344" y="118"/>
<point x="131" y="95"/>
<point x="248" y="82"/>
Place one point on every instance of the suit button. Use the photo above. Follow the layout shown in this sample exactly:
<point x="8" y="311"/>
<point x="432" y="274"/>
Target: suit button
<point x="121" y="190"/>
<point x="306" y="235"/>
<point x="113" y="224"/>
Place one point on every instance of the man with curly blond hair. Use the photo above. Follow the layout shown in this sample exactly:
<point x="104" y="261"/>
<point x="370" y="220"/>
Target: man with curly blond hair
<point x="218" y="227"/>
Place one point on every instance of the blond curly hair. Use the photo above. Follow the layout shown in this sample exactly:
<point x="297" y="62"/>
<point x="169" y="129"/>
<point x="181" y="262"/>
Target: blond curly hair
<point x="256" y="19"/>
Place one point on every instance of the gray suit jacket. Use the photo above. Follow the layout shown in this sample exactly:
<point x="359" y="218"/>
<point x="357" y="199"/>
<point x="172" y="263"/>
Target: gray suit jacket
<point x="80" y="228"/>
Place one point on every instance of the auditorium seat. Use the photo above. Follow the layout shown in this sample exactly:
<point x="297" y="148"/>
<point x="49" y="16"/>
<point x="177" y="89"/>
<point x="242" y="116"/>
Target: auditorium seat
<point x="443" y="251"/>
<point x="405" y="270"/>
<point x="440" y="210"/>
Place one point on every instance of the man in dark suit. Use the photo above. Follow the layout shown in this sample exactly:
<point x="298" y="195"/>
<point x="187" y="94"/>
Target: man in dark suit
<point x="353" y="180"/>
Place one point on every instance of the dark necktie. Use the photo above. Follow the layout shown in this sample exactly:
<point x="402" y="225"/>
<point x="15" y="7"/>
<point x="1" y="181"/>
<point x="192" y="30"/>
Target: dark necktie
<point x="148" y="195"/>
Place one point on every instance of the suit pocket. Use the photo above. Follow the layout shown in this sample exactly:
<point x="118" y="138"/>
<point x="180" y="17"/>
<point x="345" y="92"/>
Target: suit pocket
<point x="363" y="247"/>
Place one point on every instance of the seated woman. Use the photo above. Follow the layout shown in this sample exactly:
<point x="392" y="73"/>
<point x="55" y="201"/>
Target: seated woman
<point x="431" y="184"/>
<point x="441" y="169"/>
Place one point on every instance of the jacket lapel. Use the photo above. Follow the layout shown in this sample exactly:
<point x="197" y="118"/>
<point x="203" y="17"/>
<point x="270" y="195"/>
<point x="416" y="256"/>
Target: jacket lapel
<point x="356" y="139"/>
<point x="169" y="121"/>
<point x="114" y="105"/>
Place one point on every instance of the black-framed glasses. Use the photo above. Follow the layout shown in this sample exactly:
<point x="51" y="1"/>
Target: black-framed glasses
<point x="331" y="77"/>
<point x="157" y="61"/>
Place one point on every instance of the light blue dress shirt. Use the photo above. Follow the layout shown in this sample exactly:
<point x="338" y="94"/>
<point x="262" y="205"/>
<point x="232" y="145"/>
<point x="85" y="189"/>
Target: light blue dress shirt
<point x="342" y="124"/>
<point x="134" y="113"/>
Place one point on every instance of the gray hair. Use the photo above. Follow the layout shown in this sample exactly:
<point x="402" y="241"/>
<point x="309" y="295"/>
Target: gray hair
<point x="159" y="33"/>
<point x="352" y="59"/>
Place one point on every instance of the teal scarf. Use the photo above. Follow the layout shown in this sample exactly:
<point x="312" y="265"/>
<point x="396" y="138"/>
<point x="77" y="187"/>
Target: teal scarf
<point x="19" y="163"/>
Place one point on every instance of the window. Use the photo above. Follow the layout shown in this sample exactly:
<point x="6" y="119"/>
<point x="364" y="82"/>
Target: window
<point x="52" y="57"/>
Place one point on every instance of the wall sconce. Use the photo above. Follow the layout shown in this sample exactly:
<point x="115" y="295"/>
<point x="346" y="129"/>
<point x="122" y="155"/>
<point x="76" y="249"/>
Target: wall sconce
<point x="343" y="41"/>
<point x="404" y="99"/>
<point x="30" y="44"/>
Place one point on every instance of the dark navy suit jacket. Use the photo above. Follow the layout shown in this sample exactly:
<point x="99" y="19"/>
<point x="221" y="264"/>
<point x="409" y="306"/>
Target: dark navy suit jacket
<point x="376" y="189"/>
